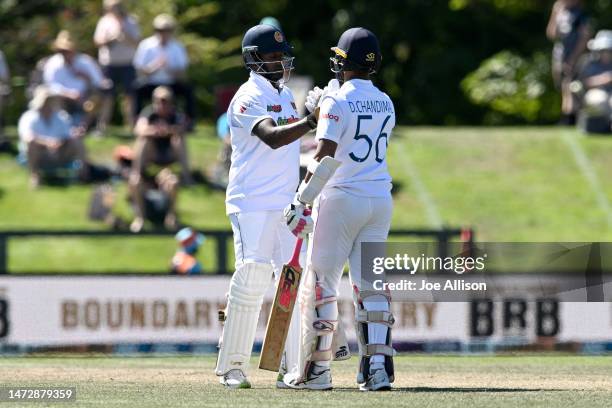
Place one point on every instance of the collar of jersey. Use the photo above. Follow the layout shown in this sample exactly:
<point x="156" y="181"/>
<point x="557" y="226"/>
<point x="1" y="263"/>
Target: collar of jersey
<point x="264" y="83"/>
<point x="359" y="82"/>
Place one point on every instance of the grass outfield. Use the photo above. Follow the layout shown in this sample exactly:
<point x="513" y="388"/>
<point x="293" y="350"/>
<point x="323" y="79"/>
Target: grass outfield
<point x="422" y="381"/>
<point x="510" y="184"/>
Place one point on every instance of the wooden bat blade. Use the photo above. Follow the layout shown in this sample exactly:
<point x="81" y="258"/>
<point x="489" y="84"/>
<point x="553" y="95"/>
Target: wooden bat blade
<point x="280" y="317"/>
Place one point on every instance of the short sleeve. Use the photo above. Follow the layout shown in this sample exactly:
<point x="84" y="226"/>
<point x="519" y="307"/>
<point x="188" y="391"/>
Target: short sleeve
<point x="246" y="112"/>
<point x="331" y="121"/>
<point x="139" y="56"/>
<point x="101" y="32"/>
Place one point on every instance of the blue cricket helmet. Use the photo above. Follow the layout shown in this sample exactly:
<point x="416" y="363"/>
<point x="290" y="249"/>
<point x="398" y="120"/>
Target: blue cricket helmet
<point x="357" y="49"/>
<point x="263" y="39"/>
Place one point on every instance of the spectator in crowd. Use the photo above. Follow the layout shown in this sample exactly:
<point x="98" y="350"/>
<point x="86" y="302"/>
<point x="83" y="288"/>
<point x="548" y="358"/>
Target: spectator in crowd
<point x="78" y="80"/>
<point x="595" y="83"/>
<point x="160" y="143"/>
<point x="570" y="29"/>
<point x="162" y="60"/>
<point x="5" y="90"/>
<point x="184" y="261"/>
<point x="47" y="138"/>
<point x="116" y="36"/>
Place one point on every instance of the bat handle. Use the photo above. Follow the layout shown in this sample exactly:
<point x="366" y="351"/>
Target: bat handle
<point x="295" y="259"/>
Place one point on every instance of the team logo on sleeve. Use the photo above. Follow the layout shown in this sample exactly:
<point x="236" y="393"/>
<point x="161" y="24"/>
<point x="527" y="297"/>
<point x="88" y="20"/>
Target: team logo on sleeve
<point x="275" y="108"/>
<point x="330" y="117"/>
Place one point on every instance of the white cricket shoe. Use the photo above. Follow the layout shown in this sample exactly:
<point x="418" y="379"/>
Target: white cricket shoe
<point x="280" y="384"/>
<point x="316" y="380"/>
<point x="235" y="379"/>
<point x="379" y="381"/>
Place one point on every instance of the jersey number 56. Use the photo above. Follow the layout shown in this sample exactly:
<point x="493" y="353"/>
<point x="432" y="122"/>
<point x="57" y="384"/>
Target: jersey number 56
<point x="380" y="152"/>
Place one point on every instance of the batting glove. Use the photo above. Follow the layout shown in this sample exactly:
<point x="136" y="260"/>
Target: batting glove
<point x="312" y="99"/>
<point x="316" y="95"/>
<point x="298" y="219"/>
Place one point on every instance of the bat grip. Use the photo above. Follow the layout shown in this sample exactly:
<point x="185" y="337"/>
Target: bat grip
<point x="295" y="259"/>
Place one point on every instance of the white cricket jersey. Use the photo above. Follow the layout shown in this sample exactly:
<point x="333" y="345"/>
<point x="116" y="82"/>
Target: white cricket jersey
<point x="360" y="118"/>
<point x="261" y="178"/>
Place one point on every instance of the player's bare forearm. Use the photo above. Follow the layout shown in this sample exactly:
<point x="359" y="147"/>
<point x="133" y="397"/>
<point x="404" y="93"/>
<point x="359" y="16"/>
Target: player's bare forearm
<point x="279" y="136"/>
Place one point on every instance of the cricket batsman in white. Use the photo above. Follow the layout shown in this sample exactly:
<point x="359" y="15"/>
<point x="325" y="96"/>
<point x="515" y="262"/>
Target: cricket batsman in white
<point x="264" y="175"/>
<point x="355" y="205"/>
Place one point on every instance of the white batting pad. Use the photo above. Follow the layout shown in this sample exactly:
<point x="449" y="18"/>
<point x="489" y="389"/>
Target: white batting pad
<point x="247" y="288"/>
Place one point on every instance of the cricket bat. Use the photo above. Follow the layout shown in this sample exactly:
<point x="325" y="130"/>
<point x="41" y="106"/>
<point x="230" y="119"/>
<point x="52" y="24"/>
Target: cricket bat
<point x="280" y="315"/>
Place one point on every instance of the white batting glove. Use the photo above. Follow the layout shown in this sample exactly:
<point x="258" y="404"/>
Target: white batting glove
<point x="298" y="219"/>
<point x="316" y="95"/>
<point x="312" y="99"/>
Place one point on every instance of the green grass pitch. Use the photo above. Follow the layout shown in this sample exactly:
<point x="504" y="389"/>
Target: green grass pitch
<point x="421" y="381"/>
<point x="510" y="184"/>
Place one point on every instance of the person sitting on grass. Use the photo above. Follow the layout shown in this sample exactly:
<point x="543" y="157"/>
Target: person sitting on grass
<point x="160" y="143"/>
<point x="46" y="137"/>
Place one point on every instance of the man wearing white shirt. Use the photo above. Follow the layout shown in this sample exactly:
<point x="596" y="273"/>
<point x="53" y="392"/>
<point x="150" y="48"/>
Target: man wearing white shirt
<point x="116" y="36"/>
<point x="46" y="136"/>
<point x="77" y="78"/>
<point x="162" y="60"/>
<point x="265" y="129"/>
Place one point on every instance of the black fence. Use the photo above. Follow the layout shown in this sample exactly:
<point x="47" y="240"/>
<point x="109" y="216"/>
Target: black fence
<point x="221" y="237"/>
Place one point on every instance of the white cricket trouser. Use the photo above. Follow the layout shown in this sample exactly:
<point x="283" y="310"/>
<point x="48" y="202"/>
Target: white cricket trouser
<point x="342" y="222"/>
<point x="263" y="237"/>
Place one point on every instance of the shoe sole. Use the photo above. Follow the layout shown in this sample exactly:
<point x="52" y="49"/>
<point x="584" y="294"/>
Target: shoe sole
<point x="282" y="386"/>
<point x="379" y="387"/>
<point x="314" y="387"/>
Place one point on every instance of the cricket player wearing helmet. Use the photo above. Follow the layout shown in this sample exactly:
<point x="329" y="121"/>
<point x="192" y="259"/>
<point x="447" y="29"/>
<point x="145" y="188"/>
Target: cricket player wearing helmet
<point x="264" y="174"/>
<point x="355" y="124"/>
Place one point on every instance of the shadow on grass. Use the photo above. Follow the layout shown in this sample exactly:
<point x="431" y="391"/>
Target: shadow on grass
<point x="455" y="389"/>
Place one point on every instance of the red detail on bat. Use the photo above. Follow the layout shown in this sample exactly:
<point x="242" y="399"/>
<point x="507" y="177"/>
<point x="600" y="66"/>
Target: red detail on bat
<point x="288" y="289"/>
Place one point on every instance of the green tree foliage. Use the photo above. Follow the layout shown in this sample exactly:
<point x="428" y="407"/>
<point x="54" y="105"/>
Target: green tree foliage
<point x="514" y="86"/>
<point x="429" y="46"/>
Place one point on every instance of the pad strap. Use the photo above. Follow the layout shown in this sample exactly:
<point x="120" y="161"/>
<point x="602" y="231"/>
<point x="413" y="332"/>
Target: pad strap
<point x="378" y="349"/>
<point x="321" y="355"/>
<point x="386" y="318"/>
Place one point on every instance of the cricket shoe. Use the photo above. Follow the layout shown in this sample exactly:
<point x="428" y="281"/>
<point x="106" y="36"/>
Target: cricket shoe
<point x="317" y="380"/>
<point x="235" y="379"/>
<point x="379" y="381"/>
<point x="280" y="384"/>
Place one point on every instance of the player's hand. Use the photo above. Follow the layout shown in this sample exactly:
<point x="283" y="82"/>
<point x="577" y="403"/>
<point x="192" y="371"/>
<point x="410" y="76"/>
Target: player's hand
<point x="298" y="219"/>
<point x="312" y="99"/>
<point x="316" y="95"/>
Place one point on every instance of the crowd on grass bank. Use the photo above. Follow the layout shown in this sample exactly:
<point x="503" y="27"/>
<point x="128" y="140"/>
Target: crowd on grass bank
<point x="72" y="96"/>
